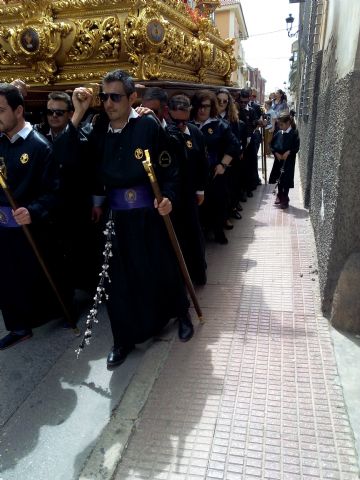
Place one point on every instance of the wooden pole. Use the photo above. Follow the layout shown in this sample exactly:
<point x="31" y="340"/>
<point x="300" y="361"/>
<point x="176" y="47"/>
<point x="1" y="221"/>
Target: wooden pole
<point x="262" y="150"/>
<point x="173" y="238"/>
<point x="33" y="245"/>
<point x="264" y="155"/>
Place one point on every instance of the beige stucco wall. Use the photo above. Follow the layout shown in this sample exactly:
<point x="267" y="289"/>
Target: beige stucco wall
<point x="222" y="22"/>
<point x="343" y="26"/>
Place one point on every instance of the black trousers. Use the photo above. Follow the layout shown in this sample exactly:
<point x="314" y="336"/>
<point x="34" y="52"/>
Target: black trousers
<point x="215" y="207"/>
<point x="283" y="193"/>
<point x="26" y="298"/>
<point x="146" y="288"/>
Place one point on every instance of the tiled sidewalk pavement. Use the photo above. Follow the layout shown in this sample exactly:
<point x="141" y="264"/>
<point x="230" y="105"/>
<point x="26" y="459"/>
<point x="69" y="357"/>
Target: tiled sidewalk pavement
<point x="255" y="395"/>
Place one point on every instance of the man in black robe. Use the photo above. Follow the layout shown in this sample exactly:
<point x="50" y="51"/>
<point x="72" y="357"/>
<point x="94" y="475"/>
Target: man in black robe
<point x="26" y="299"/>
<point x="146" y="288"/>
<point x="188" y="146"/>
<point x="194" y="171"/>
<point x="248" y="115"/>
<point x="75" y="228"/>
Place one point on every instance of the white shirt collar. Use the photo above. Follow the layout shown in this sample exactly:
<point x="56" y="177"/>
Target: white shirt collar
<point x="163" y="123"/>
<point x="132" y="114"/>
<point x="286" y="131"/>
<point x="23" y="133"/>
<point x="223" y="114"/>
<point x="50" y="133"/>
<point x="209" y="120"/>
<point x="187" y="131"/>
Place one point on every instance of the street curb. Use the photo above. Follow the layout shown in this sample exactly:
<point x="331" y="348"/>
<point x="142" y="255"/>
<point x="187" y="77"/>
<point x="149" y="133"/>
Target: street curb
<point x="110" y="446"/>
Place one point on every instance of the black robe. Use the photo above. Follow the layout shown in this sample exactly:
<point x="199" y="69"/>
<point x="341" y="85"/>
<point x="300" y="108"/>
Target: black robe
<point x="219" y="140"/>
<point x="146" y="288"/>
<point x="193" y="170"/>
<point x="237" y="173"/>
<point x="78" y="235"/>
<point x="281" y="143"/>
<point x="26" y="299"/>
<point x="249" y="117"/>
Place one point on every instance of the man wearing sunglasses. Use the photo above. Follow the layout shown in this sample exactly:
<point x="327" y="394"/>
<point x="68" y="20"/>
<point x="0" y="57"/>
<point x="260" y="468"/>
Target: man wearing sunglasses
<point x="156" y="99"/>
<point x="75" y="227"/>
<point x="189" y="147"/>
<point x="146" y="288"/>
<point x="193" y="175"/>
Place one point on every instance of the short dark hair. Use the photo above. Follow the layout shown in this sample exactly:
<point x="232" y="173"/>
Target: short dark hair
<point x="245" y="93"/>
<point x="63" y="97"/>
<point x="156" y="93"/>
<point x="179" y="101"/>
<point x="12" y="94"/>
<point x="123" y="77"/>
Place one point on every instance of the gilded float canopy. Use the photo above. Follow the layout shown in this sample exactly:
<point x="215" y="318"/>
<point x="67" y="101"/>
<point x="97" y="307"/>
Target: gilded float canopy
<point x="70" y="42"/>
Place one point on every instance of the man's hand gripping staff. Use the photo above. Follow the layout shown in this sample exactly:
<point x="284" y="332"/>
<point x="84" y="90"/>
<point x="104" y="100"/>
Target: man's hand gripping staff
<point x="23" y="218"/>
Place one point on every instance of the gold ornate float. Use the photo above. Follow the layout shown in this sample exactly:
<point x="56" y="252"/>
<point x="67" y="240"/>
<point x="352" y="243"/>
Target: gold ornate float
<point x="67" y="42"/>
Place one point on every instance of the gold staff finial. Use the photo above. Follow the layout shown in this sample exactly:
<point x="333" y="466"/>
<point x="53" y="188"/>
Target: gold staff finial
<point x="3" y="173"/>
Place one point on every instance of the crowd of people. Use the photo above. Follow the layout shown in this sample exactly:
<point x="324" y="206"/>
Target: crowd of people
<point x="70" y="173"/>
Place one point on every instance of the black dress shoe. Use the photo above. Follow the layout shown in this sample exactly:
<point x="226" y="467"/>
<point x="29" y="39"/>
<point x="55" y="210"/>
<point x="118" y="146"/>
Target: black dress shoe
<point x="228" y="225"/>
<point x="13" y="338"/>
<point x="118" y="355"/>
<point x="186" y="328"/>
<point x="236" y="214"/>
<point x="239" y="207"/>
<point x="250" y="194"/>
<point x="220" y="238"/>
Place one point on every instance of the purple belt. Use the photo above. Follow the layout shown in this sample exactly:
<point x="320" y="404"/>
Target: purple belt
<point x="6" y="218"/>
<point x="128" y="198"/>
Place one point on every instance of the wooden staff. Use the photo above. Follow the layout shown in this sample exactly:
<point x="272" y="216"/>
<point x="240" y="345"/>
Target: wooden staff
<point x="264" y="154"/>
<point x="173" y="238"/>
<point x="262" y="150"/>
<point x="35" y="249"/>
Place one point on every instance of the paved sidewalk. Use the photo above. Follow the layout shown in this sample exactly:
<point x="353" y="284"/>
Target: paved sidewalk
<point x="256" y="393"/>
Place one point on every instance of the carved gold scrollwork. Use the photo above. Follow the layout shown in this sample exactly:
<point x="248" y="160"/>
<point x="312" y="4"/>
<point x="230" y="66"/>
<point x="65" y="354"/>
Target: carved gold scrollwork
<point x="6" y="58"/>
<point x="36" y="41"/>
<point x="182" y="48"/>
<point x="96" y="38"/>
<point x="145" y="35"/>
<point x="70" y="41"/>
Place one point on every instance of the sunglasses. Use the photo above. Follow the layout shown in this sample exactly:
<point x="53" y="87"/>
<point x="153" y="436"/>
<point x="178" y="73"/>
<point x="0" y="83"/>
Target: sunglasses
<point x="114" y="97"/>
<point x="177" y="121"/>
<point x="50" y="112"/>
<point x="181" y="106"/>
<point x="204" y="106"/>
<point x="223" y="101"/>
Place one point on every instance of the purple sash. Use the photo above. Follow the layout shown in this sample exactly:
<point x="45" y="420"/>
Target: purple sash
<point x="129" y="198"/>
<point x="6" y="218"/>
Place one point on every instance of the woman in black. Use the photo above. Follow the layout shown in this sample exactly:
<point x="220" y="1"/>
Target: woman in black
<point x="284" y="145"/>
<point x="222" y="147"/>
<point x="229" y="112"/>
